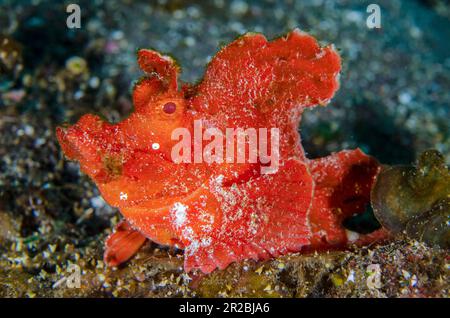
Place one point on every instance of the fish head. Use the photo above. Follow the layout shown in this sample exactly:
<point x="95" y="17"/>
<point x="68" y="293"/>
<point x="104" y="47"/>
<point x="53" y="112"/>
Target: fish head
<point x="103" y="148"/>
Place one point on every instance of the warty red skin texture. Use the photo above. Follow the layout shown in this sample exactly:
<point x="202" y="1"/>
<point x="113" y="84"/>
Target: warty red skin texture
<point x="225" y="212"/>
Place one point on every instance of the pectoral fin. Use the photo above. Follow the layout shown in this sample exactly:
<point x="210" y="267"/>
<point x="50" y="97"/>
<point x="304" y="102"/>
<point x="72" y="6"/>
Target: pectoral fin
<point x="122" y="244"/>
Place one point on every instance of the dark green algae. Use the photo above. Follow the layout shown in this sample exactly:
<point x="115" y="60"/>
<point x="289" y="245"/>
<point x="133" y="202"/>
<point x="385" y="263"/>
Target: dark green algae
<point x="415" y="199"/>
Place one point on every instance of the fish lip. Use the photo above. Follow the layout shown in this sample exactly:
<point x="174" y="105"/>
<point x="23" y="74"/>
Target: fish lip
<point x="68" y="147"/>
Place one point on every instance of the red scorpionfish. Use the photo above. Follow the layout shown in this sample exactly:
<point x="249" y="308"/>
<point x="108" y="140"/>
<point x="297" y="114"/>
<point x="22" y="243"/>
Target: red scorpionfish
<point x="221" y="212"/>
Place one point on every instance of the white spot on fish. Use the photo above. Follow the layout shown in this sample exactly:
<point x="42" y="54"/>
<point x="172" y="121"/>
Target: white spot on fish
<point x="179" y="214"/>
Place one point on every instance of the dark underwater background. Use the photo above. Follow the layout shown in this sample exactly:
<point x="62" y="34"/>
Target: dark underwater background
<point x="393" y="103"/>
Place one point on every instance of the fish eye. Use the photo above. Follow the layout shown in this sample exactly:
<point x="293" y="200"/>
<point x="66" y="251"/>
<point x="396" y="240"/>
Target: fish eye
<point x="169" y="108"/>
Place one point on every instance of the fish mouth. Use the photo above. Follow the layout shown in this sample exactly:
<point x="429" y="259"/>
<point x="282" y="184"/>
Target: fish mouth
<point x="84" y="133"/>
<point x="68" y="147"/>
